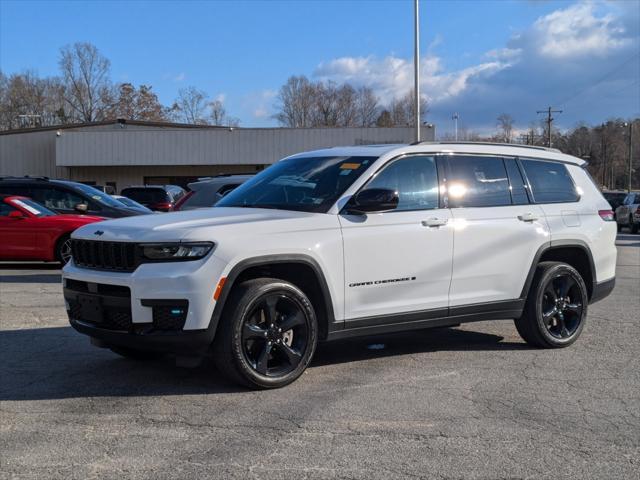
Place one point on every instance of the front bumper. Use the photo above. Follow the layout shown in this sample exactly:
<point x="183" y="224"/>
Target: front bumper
<point x="160" y="307"/>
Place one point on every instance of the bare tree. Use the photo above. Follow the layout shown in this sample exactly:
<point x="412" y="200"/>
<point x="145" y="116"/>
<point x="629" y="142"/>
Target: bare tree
<point x="85" y="73"/>
<point x="295" y="102"/>
<point x="403" y="110"/>
<point x="218" y="115"/>
<point x="136" y="104"/>
<point x="367" y="107"/>
<point x="191" y="106"/>
<point x="505" y="127"/>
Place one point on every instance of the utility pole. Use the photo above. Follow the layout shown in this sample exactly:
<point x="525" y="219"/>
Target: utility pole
<point x="455" y="124"/>
<point x="550" y="119"/>
<point x="416" y="67"/>
<point x="630" y="125"/>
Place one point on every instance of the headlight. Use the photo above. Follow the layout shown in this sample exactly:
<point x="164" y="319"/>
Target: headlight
<point x="168" y="252"/>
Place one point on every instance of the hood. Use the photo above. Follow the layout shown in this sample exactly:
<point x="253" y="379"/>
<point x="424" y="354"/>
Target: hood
<point x="193" y="225"/>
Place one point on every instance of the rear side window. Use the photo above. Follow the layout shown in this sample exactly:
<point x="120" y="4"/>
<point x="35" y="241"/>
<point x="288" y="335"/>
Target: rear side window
<point x="56" y="198"/>
<point x="146" y="196"/>
<point x="550" y="182"/>
<point x="477" y="182"/>
<point x="414" y="178"/>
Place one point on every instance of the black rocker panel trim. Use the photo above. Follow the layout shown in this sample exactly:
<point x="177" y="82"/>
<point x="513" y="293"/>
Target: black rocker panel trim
<point x="440" y="317"/>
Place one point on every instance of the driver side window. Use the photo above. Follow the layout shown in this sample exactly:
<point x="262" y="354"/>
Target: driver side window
<point x="415" y="179"/>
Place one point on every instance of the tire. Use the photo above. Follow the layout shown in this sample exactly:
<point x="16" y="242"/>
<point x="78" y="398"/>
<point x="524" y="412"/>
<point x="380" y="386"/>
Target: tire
<point x="63" y="249"/>
<point x="550" y="320"/>
<point x="133" y="354"/>
<point x="633" y="227"/>
<point x="253" y="346"/>
<point x="619" y="227"/>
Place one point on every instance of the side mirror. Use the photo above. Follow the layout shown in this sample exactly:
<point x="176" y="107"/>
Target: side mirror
<point x="373" y="200"/>
<point x="81" y="207"/>
<point x="16" y="214"/>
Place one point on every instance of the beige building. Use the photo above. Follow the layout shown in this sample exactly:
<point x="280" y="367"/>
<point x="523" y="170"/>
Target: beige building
<point x="122" y="153"/>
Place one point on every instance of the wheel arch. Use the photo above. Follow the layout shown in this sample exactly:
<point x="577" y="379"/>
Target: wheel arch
<point x="573" y="252"/>
<point x="301" y="270"/>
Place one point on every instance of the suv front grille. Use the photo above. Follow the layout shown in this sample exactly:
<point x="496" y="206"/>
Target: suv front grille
<point x="117" y="256"/>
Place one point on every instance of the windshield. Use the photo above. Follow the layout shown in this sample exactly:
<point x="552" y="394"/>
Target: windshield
<point x="99" y="196"/>
<point x="307" y="184"/>
<point x="33" y="207"/>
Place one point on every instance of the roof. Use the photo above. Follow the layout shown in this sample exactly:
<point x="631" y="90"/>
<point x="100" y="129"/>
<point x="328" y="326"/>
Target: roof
<point x="119" y="121"/>
<point x="506" y="149"/>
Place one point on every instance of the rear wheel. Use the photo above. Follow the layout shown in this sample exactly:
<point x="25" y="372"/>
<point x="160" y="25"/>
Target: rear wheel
<point x="63" y="249"/>
<point x="632" y="225"/>
<point x="268" y="334"/>
<point x="556" y="309"/>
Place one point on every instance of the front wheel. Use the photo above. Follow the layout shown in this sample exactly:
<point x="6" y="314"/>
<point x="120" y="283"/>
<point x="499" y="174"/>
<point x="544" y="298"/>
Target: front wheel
<point x="556" y="309"/>
<point x="633" y="227"/>
<point x="268" y="334"/>
<point x="63" y="249"/>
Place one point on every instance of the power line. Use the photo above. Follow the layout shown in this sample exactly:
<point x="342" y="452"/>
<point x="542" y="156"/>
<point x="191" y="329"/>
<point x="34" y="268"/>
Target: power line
<point x="550" y="119"/>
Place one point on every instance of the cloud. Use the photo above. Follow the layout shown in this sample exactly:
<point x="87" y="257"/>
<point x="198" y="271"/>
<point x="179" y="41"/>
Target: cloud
<point x="260" y="104"/>
<point x="583" y="58"/>
<point x="180" y="77"/>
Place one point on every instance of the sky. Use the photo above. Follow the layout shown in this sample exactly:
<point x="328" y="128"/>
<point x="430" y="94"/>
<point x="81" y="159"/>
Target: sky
<point x="478" y="58"/>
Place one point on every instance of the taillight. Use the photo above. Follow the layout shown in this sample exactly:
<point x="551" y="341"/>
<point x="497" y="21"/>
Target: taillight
<point x="164" y="206"/>
<point x="606" y="215"/>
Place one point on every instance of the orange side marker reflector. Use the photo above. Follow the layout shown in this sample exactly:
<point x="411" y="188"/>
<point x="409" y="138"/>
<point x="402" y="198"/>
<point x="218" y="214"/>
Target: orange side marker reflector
<point x="218" y="291"/>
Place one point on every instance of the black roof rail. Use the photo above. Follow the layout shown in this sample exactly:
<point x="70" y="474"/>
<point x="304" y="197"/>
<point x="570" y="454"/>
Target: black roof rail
<point x="500" y="144"/>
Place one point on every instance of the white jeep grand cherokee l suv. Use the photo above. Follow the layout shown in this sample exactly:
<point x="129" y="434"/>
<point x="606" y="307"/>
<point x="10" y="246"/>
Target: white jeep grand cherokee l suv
<point x="350" y="241"/>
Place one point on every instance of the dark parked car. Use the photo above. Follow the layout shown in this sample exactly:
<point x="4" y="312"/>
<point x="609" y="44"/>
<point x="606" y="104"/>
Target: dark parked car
<point x="628" y="213"/>
<point x="132" y="204"/>
<point x="208" y="191"/>
<point x="614" y="197"/>
<point x="161" y="198"/>
<point x="64" y="196"/>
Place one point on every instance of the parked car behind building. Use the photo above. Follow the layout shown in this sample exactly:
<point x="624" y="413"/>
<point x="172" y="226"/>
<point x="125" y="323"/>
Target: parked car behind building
<point x="208" y="191"/>
<point x="30" y="231"/>
<point x="161" y="198"/>
<point x="64" y="196"/>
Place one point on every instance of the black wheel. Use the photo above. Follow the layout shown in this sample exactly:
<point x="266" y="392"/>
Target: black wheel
<point x="63" y="249"/>
<point x="556" y="309"/>
<point x="633" y="226"/>
<point x="619" y="227"/>
<point x="133" y="354"/>
<point x="267" y="335"/>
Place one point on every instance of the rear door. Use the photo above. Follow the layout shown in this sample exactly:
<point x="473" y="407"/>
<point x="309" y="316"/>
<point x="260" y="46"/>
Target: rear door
<point x="496" y="231"/>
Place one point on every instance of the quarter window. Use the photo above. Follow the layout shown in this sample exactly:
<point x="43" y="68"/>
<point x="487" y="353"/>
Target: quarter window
<point x="477" y="182"/>
<point x="414" y="178"/>
<point x="550" y="182"/>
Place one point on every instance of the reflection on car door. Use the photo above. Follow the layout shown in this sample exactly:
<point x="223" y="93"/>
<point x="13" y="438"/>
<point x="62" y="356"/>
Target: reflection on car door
<point x="18" y="234"/>
<point x="399" y="261"/>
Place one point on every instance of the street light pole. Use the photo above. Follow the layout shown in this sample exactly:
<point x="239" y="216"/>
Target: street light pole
<point x="416" y="67"/>
<point x="455" y="125"/>
<point x="630" y="153"/>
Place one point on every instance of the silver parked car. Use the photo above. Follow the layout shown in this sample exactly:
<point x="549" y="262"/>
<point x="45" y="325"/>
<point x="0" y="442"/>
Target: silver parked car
<point x="206" y="192"/>
<point x="628" y="214"/>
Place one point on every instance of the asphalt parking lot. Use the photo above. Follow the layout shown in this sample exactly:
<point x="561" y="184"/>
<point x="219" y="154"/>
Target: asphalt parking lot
<point x="467" y="402"/>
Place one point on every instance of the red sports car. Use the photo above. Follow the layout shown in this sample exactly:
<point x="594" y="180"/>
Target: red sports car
<point x="30" y="231"/>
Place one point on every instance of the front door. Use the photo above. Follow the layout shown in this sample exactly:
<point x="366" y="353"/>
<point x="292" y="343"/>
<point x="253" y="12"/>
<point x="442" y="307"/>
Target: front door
<point x="399" y="261"/>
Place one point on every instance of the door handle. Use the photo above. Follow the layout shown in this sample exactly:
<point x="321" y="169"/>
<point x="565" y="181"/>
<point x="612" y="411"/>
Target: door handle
<point x="527" y="217"/>
<point x="434" y="222"/>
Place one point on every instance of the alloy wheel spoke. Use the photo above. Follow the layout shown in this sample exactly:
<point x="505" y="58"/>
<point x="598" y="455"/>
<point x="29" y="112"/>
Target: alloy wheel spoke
<point x="565" y="286"/>
<point x="270" y="311"/>
<point x="262" y="362"/>
<point x="293" y="356"/>
<point x="252" y="331"/>
<point x="292" y="321"/>
<point x="549" y="290"/>
<point x="564" y="333"/>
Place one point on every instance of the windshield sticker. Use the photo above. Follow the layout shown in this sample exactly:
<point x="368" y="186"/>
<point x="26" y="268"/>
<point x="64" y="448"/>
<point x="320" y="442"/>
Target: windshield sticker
<point x="349" y="166"/>
<point x="28" y="208"/>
